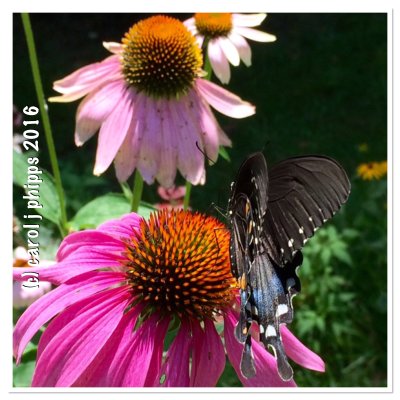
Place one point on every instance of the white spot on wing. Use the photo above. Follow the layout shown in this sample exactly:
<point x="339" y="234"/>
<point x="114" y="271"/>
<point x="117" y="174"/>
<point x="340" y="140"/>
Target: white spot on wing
<point x="282" y="309"/>
<point x="290" y="242"/>
<point x="271" y="331"/>
<point x="301" y="230"/>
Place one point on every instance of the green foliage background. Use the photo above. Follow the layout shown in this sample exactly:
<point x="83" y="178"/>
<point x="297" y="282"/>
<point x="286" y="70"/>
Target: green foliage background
<point x="320" y="88"/>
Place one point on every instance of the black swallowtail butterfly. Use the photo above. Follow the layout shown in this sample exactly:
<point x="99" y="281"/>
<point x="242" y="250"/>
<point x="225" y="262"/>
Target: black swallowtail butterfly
<point x="272" y="215"/>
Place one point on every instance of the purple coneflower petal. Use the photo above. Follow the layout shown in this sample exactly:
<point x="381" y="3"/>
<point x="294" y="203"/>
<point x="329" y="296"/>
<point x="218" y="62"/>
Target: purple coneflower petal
<point x="218" y="60"/>
<point x="190" y="158"/>
<point x="229" y="50"/>
<point x="254" y="34"/>
<point x="299" y="353"/>
<point x="66" y="350"/>
<point x="190" y="24"/>
<point x="57" y="300"/>
<point x="95" y="108"/>
<point x="265" y="363"/>
<point x="127" y="156"/>
<point x="169" y="155"/>
<point x="210" y="133"/>
<point x="175" y="370"/>
<point x="114" y="47"/>
<point x="149" y="156"/>
<point x="225" y="102"/>
<point x="134" y="359"/>
<point x="97" y="372"/>
<point x="248" y="19"/>
<point x="87" y="241"/>
<point x="118" y="121"/>
<point x="122" y="228"/>
<point x="242" y="47"/>
<point x="86" y="79"/>
<point x="208" y="355"/>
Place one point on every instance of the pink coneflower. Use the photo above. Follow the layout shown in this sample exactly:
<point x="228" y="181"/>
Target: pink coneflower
<point x="173" y="197"/>
<point x="226" y="35"/>
<point x="24" y="296"/>
<point x="122" y="287"/>
<point x="151" y="105"/>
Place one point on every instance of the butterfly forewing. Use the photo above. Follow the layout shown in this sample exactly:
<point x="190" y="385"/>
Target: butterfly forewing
<point x="304" y="192"/>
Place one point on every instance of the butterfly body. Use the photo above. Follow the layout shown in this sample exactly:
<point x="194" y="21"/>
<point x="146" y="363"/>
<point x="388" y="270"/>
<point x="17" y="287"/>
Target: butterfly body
<point x="272" y="215"/>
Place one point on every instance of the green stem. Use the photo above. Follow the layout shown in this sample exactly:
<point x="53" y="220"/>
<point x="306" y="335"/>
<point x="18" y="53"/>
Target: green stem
<point x="207" y="68"/>
<point x="137" y="191"/>
<point x="186" y="199"/>
<point x="45" y="119"/>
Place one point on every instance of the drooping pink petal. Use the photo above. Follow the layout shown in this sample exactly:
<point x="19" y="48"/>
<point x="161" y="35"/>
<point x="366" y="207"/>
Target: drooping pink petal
<point x="126" y="159"/>
<point x="175" y="370"/>
<point x="190" y="24"/>
<point x="265" y="363"/>
<point x="190" y="159"/>
<point x="254" y="34"/>
<point x="114" y="47"/>
<point x="172" y="193"/>
<point x="97" y="372"/>
<point x="229" y="50"/>
<point x="299" y="353"/>
<point x="63" y="354"/>
<point x="113" y="131"/>
<point x="248" y="19"/>
<point x="218" y="60"/>
<point x="169" y="155"/>
<point x="208" y="355"/>
<point x="225" y="102"/>
<point x="45" y="308"/>
<point x="149" y="156"/>
<point x="89" y="240"/>
<point x="86" y="79"/>
<point x="124" y="163"/>
<point x="242" y="46"/>
<point x="157" y="356"/>
<point x="210" y="133"/>
<point x="122" y="228"/>
<point x="131" y="365"/>
<point x="95" y="108"/>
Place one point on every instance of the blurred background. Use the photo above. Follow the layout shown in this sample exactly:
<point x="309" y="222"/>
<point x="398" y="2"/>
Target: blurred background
<point x="321" y="88"/>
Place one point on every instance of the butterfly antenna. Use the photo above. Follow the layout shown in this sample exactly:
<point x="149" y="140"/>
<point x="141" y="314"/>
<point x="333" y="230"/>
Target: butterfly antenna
<point x="212" y="162"/>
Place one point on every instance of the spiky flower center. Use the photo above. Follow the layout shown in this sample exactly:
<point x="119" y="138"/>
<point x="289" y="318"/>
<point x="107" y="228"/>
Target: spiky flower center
<point x="213" y="25"/>
<point x="161" y="57"/>
<point x="179" y="265"/>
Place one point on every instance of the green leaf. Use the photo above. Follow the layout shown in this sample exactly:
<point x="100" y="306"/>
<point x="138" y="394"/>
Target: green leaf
<point x="48" y="197"/>
<point x="224" y="153"/>
<point x="23" y="374"/>
<point x="126" y="190"/>
<point x="104" y="208"/>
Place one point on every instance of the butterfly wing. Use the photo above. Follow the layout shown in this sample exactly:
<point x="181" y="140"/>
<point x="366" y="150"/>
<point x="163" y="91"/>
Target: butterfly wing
<point x="272" y="216"/>
<point x="304" y="192"/>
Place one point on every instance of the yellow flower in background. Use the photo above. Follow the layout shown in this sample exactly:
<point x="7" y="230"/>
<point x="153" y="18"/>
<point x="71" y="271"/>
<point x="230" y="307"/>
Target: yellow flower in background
<point x="363" y="147"/>
<point x="372" y="170"/>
